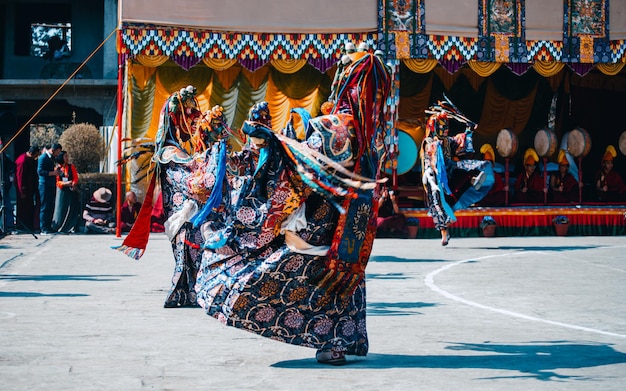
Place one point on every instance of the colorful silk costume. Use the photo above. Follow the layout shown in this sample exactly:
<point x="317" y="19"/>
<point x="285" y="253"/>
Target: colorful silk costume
<point x="280" y="259"/>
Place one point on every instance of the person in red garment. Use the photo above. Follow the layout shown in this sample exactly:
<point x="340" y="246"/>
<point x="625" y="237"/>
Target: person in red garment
<point x="609" y="184"/>
<point x="497" y="194"/>
<point x="390" y="222"/>
<point x="563" y="185"/>
<point x="130" y="211"/>
<point x="530" y="186"/>
<point x="26" y="188"/>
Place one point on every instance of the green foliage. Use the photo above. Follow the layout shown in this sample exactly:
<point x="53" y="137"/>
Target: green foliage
<point x="85" y="145"/>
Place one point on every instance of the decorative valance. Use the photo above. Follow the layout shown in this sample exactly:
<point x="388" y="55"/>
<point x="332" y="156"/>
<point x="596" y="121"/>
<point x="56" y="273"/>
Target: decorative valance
<point x="252" y="50"/>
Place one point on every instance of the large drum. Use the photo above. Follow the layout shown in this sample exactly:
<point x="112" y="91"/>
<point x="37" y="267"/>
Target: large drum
<point x="545" y="142"/>
<point x="408" y="152"/>
<point x="578" y="142"/>
<point x="506" y="143"/>
<point x="622" y="143"/>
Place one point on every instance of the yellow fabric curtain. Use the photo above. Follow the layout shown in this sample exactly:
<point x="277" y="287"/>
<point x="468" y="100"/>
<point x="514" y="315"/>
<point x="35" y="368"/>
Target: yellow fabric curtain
<point x="152" y="61"/>
<point x="473" y="78"/>
<point x="228" y="76"/>
<point x="288" y="66"/>
<point x="547" y="69"/>
<point x="483" y="69"/>
<point x="610" y="69"/>
<point x="141" y="102"/>
<point x="280" y="105"/>
<point x="219" y="64"/>
<point x="412" y="107"/>
<point x="499" y="112"/>
<point x="257" y="77"/>
<point x="419" y="65"/>
<point x="446" y="77"/>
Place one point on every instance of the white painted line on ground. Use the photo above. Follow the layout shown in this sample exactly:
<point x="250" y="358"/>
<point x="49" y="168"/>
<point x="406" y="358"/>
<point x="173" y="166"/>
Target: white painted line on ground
<point x="429" y="280"/>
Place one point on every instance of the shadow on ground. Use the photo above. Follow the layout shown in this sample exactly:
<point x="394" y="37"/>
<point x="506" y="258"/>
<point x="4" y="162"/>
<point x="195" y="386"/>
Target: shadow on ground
<point x="538" y="360"/>
<point x="396" y="309"/>
<point x="64" y="277"/>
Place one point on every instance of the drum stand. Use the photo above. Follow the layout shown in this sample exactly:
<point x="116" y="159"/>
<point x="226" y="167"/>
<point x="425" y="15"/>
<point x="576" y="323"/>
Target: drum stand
<point x="580" y="180"/>
<point x="545" y="179"/>
<point x="506" y="181"/>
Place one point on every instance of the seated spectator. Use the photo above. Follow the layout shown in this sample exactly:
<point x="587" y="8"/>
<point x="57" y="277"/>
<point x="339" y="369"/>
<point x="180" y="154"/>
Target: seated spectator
<point x="563" y="185"/>
<point x="609" y="184"/>
<point x="529" y="185"/>
<point x="497" y="193"/>
<point x="98" y="213"/>
<point x="130" y="211"/>
<point x="390" y="222"/>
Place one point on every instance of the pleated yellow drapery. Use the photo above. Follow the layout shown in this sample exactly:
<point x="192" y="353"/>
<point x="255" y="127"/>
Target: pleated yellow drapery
<point x="483" y="69"/>
<point x="547" y="68"/>
<point x="611" y="69"/>
<point x="500" y="113"/>
<point x="288" y="66"/>
<point x="419" y="65"/>
<point x="412" y="107"/>
<point x="280" y="106"/>
<point x="152" y="61"/>
<point x="219" y="64"/>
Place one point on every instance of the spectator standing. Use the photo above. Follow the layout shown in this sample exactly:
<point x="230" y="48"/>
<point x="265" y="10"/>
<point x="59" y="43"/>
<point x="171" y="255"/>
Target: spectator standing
<point x="47" y="186"/>
<point x="67" y="204"/>
<point x="26" y="187"/>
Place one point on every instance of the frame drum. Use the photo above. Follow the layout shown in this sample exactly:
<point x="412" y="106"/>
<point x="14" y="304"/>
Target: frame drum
<point x="545" y="142"/>
<point x="408" y="153"/>
<point x="578" y="142"/>
<point x="622" y="143"/>
<point x="506" y="143"/>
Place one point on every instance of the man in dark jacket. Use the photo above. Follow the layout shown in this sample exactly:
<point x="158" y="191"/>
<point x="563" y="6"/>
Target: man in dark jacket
<point x="47" y="172"/>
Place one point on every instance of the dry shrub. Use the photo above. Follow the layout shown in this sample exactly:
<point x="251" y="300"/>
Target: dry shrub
<point x="44" y="134"/>
<point x="85" y="145"/>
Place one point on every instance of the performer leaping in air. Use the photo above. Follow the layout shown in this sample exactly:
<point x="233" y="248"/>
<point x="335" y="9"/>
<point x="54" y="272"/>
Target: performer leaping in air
<point x="437" y="151"/>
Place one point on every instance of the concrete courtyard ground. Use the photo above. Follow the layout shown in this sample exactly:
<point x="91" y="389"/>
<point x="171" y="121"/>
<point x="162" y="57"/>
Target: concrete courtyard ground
<point x="522" y="313"/>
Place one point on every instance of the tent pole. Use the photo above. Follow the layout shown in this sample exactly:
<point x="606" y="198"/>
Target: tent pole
<point x="120" y="108"/>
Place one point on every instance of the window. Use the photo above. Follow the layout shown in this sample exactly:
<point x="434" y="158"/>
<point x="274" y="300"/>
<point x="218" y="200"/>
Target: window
<point x="51" y="41"/>
<point x="37" y="19"/>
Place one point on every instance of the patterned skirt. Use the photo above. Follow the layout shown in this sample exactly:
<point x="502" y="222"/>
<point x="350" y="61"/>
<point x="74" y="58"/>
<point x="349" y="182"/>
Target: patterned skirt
<point x="273" y="293"/>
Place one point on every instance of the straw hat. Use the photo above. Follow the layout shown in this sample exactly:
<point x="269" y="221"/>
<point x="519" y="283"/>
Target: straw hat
<point x="102" y="194"/>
